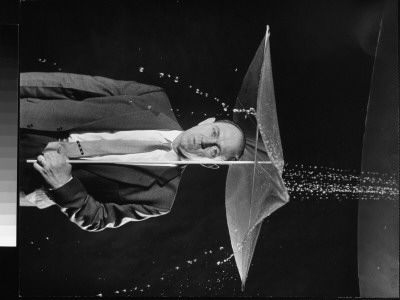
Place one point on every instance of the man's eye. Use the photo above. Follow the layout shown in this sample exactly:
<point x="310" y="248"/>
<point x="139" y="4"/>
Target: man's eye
<point x="214" y="132"/>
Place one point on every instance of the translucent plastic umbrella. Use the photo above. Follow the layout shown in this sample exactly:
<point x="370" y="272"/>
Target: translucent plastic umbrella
<point x="254" y="191"/>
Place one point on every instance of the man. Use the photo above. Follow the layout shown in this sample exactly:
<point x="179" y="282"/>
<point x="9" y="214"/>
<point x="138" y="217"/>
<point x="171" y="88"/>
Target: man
<point x="61" y="115"/>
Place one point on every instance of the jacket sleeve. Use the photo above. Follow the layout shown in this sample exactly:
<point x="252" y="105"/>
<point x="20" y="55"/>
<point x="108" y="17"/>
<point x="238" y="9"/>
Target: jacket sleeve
<point x="55" y="86"/>
<point x="92" y="215"/>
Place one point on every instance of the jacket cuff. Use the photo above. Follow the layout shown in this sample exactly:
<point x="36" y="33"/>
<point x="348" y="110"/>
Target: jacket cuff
<point x="71" y="194"/>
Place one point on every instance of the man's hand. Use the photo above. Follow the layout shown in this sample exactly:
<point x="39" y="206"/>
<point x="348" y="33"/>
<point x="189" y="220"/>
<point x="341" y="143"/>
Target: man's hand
<point x="37" y="198"/>
<point x="54" y="168"/>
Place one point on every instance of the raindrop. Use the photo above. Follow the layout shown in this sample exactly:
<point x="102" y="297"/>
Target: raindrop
<point x="141" y="69"/>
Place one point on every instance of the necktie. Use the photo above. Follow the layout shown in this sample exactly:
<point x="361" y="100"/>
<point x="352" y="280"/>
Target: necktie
<point x="106" y="147"/>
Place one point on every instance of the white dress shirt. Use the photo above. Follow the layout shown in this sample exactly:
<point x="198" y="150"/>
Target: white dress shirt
<point x="148" y="135"/>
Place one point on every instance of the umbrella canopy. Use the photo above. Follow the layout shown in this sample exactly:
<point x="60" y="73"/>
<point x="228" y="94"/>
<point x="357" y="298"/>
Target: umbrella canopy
<point x="255" y="191"/>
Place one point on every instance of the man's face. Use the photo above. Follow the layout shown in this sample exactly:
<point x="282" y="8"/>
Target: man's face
<point x="209" y="141"/>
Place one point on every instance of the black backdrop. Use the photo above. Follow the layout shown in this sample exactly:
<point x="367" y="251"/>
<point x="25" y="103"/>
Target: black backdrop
<point x="322" y="57"/>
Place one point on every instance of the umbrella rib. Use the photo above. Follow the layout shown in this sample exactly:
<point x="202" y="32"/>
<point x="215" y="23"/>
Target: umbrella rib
<point x="257" y="123"/>
<point x="163" y="162"/>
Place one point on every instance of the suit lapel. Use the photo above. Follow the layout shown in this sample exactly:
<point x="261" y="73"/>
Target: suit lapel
<point x="139" y="120"/>
<point x="137" y="175"/>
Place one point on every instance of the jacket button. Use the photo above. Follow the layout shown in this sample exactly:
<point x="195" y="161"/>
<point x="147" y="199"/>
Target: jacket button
<point x="29" y="125"/>
<point x="59" y="128"/>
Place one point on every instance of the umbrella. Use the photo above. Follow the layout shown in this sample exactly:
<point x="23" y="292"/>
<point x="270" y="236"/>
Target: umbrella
<point x="254" y="191"/>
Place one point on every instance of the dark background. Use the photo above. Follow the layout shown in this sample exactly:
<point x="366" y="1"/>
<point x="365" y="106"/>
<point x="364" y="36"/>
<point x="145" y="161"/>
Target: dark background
<point x="322" y="56"/>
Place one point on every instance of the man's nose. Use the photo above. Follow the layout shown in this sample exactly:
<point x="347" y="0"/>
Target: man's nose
<point x="208" y="142"/>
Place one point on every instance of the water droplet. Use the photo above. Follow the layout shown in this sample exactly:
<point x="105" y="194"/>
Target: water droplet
<point x="141" y="69"/>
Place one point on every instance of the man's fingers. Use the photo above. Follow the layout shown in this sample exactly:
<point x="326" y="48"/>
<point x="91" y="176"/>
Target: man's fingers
<point x="38" y="168"/>
<point x="49" y="154"/>
<point x="40" y="159"/>
<point x="62" y="154"/>
<point x="55" y="156"/>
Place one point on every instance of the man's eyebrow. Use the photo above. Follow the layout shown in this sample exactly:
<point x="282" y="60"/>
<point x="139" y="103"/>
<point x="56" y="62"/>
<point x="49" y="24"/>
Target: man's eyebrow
<point x="217" y="130"/>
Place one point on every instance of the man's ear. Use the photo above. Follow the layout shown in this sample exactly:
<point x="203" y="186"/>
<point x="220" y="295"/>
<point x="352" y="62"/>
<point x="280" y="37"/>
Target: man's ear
<point x="207" y="121"/>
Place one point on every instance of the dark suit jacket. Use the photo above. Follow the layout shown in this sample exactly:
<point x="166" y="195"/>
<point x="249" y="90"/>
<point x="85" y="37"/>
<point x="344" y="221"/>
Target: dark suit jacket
<point x="102" y="195"/>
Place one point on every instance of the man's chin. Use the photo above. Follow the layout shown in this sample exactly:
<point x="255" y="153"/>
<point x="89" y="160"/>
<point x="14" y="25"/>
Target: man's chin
<point x="189" y="156"/>
<point x="194" y="157"/>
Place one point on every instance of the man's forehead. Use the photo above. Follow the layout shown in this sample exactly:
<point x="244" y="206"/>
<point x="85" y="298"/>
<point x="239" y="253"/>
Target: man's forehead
<point x="227" y="128"/>
<point x="230" y="139"/>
